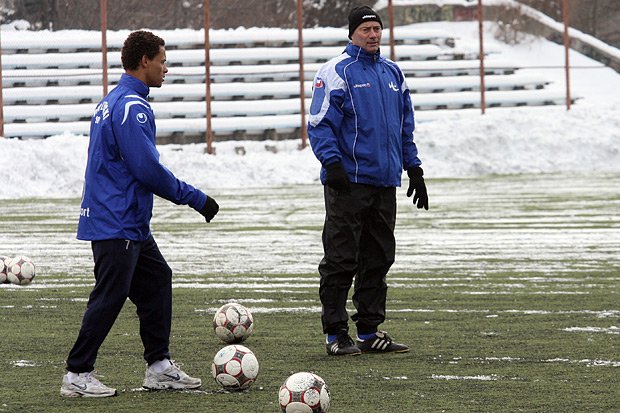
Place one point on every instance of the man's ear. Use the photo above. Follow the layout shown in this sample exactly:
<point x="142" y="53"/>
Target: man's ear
<point x="144" y="61"/>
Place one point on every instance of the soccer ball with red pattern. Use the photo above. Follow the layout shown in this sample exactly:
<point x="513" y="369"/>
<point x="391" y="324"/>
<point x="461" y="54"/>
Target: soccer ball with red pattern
<point x="304" y="393"/>
<point x="20" y="270"/>
<point x="233" y="323"/>
<point x="235" y="367"/>
<point x="3" y="279"/>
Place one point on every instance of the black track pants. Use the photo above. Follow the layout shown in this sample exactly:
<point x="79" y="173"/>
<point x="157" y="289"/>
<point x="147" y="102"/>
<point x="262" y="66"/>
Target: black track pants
<point x="126" y="269"/>
<point x="358" y="242"/>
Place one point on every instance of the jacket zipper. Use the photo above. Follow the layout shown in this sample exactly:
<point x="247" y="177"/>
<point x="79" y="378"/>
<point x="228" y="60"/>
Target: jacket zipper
<point x="385" y="118"/>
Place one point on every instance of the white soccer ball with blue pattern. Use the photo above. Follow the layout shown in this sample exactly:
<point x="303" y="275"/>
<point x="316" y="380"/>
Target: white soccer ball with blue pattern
<point x="235" y="367"/>
<point x="233" y="323"/>
<point x="20" y="270"/>
<point x="304" y="393"/>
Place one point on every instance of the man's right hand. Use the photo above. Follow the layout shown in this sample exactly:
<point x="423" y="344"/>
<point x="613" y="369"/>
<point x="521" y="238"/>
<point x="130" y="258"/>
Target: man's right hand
<point x="210" y="209"/>
<point x="417" y="185"/>
<point x="337" y="177"/>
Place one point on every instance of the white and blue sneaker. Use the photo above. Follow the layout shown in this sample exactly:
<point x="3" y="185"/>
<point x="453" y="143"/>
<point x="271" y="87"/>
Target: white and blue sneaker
<point x="84" y="385"/>
<point x="172" y="377"/>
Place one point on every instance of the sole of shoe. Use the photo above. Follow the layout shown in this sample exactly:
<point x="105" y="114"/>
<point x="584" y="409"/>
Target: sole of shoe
<point x="329" y="353"/>
<point x="170" y="386"/>
<point x="69" y="393"/>
<point x="384" y="351"/>
<point x="345" y="354"/>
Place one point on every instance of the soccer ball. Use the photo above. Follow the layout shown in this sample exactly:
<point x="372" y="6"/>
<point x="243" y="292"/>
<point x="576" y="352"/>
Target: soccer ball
<point x="233" y="323"/>
<point x="304" y="393"/>
<point x="3" y="278"/>
<point x="19" y="270"/>
<point x="235" y="367"/>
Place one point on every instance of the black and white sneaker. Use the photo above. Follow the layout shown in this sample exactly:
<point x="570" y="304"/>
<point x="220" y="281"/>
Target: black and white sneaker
<point x="381" y="343"/>
<point x="342" y="346"/>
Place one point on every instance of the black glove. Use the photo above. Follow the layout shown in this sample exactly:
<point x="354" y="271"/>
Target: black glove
<point x="337" y="177"/>
<point x="210" y="209"/>
<point x="416" y="183"/>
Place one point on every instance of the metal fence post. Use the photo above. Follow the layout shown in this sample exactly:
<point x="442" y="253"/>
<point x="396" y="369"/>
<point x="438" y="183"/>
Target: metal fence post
<point x="104" y="45"/>
<point x="302" y="92"/>
<point x="481" y="56"/>
<point x="1" y="103"/>
<point x="208" y="132"/>
<point x="565" y="12"/>
<point x="391" y="20"/>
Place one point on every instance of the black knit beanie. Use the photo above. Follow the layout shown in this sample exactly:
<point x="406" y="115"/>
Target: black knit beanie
<point x="360" y="15"/>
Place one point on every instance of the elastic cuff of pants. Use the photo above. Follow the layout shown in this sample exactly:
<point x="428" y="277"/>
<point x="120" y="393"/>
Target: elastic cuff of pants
<point x="363" y="330"/>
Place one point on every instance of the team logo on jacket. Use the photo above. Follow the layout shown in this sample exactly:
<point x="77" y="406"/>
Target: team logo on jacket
<point x="105" y="112"/>
<point x="318" y="96"/>
<point x="393" y="87"/>
<point x="141" y="117"/>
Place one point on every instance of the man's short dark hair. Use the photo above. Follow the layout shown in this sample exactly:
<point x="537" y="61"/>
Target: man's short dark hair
<point x="138" y="44"/>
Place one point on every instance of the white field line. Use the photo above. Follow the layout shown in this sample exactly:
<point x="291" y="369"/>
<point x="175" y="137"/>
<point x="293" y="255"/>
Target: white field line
<point x="23" y="363"/>
<point x="269" y="310"/>
<point x="507" y="359"/>
<point x="610" y="330"/>
<point x="314" y="307"/>
<point x="491" y="377"/>
<point x="588" y="362"/>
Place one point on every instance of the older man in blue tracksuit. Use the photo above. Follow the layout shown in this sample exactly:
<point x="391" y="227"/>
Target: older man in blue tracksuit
<point x="361" y="130"/>
<point x="123" y="173"/>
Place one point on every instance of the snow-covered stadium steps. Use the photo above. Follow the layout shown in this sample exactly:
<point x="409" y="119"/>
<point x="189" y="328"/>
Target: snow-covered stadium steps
<point x="493" y="99"/>
<point x="26" y="42"/>
<point x="163" y="110"/>
<point x="273" y="119"/>
<point x="224" y="57"/>
<point x="254" y="73"/>
<point x="243" y="73"/>
<point x="167" y="127"/>
<point x="251" y="91"/>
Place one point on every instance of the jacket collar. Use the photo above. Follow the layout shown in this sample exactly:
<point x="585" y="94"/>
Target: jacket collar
<point x="134" y="83"/>
<point x="361" y="54"/>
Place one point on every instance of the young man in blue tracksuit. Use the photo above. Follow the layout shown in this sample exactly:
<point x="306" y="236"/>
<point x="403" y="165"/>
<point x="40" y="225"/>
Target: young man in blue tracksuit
<point x="361" y="130"/>
<point x="123" y="173"/>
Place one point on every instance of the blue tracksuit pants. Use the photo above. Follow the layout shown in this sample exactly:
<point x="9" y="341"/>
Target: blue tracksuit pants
<point x="126" y="269"/>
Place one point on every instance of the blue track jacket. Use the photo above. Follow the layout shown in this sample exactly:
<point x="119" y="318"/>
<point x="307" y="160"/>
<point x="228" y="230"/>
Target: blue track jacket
<point x="361" y="114"/>
<point x="123" y="169"/>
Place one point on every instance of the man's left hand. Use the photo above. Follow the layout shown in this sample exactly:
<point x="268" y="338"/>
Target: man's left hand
<point x="210" y="209"/>
<point x="416" y="183"/>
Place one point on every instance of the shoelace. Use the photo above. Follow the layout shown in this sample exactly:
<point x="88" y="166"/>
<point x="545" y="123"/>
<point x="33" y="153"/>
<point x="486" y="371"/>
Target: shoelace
<point x="91" y="377"/>
<point x="175" y="364"/>
<point x="386" y="337"/>
<point x="344" y="340"/>
<point x="381" y="341"/>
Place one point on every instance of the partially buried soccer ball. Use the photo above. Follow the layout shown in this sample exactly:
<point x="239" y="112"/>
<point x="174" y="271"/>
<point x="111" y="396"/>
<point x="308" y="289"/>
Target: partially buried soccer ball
<point x="233" y="323"/>
<point x="304" y="393"/>
<point x="235" y="367"/>
<point x="3" y="278"/>
<point x="20" y="270"/>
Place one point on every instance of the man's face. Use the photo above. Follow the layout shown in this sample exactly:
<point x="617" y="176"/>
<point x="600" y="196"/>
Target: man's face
<point x="156" y="69"/>
<point x="367" y="36"/>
